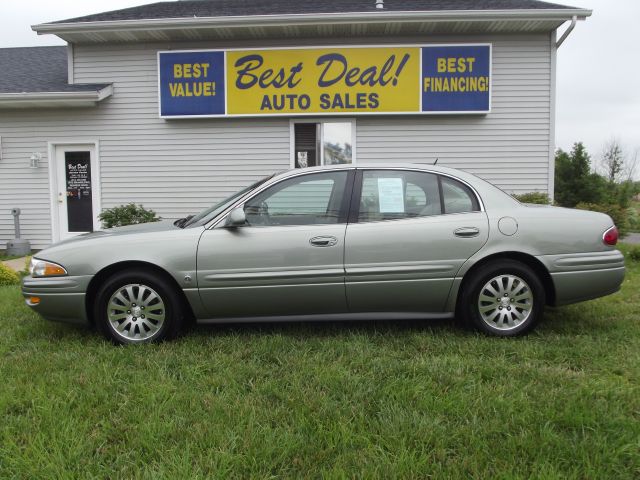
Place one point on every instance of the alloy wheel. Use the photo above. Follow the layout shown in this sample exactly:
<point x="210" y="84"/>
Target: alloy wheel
<point x="505" y="302"/>
<point x="136" y="312"/>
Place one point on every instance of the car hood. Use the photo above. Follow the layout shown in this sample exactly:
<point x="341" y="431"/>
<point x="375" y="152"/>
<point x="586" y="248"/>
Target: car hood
<point x="161" y="226"/>
<point x="160" y="243"/>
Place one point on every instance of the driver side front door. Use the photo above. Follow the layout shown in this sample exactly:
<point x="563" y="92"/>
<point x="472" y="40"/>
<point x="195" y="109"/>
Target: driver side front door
<point x="288" y="259"/>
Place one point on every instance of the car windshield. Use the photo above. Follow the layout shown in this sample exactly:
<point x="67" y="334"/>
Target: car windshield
<point x="211" y="212"/>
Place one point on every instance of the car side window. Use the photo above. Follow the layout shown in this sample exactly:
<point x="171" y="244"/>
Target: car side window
<point x="311" y="199"/>
<point x="457" y="197"/>
<point x="394" y="194"/>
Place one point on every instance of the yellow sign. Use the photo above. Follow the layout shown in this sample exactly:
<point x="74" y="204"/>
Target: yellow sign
<point x="326" y="80"/>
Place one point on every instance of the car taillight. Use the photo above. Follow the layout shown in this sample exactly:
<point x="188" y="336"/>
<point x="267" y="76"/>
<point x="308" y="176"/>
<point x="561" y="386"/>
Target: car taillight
<point x="610" y="237"/>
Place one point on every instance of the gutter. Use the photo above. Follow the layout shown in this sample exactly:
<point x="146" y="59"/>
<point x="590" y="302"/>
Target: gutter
<point x="58" y="97"/>
<point x="316" y="18"/>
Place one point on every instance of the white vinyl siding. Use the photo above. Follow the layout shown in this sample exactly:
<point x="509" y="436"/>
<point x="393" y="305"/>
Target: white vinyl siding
<point x="167" y="169"/>
<point x="178" y="167"/>
<point x="509" y="147"/>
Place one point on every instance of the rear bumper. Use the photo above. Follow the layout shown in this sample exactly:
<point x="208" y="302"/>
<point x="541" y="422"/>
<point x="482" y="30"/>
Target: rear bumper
<point x="62" y="299"/>
<point x="572" y="287"/>
<point x="584" y="276"/>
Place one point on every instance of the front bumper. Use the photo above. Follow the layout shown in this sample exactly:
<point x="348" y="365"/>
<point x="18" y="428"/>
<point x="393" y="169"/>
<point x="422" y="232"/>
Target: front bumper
<point x="62" y="299"/>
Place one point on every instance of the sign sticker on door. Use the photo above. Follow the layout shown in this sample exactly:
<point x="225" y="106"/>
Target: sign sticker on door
<point x="391" y="195"/>
<point x="303" y="159"/>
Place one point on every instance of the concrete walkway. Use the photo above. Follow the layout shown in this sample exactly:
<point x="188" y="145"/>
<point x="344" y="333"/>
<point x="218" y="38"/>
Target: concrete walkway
<point x="17" y="264"/>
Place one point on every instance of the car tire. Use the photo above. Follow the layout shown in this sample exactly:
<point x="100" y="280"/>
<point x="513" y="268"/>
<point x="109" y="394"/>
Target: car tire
<point x="138" y="306"/>
<point x="504" y="298"/>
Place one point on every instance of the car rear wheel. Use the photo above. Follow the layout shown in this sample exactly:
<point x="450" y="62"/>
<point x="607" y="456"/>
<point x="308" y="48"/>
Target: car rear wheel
<point x="138" y="307"/>
<point x="504" y="298"/>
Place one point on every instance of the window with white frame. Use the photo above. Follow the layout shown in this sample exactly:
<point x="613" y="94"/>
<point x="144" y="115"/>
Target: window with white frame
<point x="326" y="142"/>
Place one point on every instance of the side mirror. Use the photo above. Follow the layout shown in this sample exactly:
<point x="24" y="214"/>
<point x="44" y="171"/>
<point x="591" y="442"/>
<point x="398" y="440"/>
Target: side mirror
<point x="236" y="218"/>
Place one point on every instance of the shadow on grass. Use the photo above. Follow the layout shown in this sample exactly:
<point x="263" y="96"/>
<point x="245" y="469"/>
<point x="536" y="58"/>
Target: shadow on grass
<point x="327" y="329"/>
<point x="565" y="321"/>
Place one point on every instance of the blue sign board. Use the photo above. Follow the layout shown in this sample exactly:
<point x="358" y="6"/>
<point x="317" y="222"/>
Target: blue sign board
<point x="456" y="78"/>
<point x="192" y="83"/>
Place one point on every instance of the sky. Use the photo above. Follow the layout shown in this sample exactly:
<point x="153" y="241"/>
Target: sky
<point x="598" y="69"/>
<point x="598" y="78"/>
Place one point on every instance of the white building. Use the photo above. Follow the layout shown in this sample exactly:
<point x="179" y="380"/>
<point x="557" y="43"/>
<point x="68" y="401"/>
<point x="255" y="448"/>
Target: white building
<point x="175" y="105"/>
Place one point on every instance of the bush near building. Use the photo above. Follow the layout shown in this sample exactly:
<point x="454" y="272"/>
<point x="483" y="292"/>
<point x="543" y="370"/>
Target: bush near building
<point x="123" y="215"/>
<point x="539" y="198"/>
<point x="8" y="276"/>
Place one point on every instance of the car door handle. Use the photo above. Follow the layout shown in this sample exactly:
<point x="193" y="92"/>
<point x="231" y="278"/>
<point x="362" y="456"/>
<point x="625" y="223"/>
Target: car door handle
<point x="323" y="241"/>
<point x="467" y="232"/>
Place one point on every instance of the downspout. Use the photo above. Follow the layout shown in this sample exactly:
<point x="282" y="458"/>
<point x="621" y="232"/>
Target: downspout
<point x="566" y="33"/>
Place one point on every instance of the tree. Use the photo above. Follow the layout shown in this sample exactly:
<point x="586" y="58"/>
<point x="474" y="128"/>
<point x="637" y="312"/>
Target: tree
<point x="613" y="161"/>
<point x="632" y="166"/>
<point x="574" y="180"/>
<point x="619" y="170"/>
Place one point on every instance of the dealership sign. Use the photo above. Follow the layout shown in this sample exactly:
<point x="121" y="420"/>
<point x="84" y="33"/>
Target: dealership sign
<point x="331" y="80"/>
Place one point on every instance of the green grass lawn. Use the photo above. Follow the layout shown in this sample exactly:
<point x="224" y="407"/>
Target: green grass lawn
<point x="354" y="400"/>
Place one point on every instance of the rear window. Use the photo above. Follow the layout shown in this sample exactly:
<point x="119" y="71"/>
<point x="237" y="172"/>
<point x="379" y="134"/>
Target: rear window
<point x="397" y="194"/>
<point x="457" y="197"/>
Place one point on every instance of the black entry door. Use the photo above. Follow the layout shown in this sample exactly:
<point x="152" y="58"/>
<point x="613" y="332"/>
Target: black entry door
<point x="78" y="191"/>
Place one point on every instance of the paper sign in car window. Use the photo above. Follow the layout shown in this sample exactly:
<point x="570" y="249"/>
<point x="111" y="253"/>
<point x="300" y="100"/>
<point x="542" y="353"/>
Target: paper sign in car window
<point x="391" y="195"/>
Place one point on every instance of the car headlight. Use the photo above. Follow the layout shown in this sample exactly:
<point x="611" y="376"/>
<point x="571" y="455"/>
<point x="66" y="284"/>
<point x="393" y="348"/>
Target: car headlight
<point x="43" y="268"/>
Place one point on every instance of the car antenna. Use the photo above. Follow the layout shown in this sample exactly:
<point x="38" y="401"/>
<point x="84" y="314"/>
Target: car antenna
<point x="436" y="161"/>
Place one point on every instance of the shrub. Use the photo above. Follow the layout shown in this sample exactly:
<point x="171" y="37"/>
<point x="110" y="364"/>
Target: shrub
<point x="27" y="264"/>
<point x="540" y="198"/>
<point x="131" y="214"/>
<point x="618" y="214"/>
<point x="634" y="220"/>
<point x="8" y="276"/>
<point x="634" y="253"/>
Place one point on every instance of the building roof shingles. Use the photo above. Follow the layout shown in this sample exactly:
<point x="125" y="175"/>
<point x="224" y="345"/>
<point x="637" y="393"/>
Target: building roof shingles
<point x="38" y="70"/>
<point x="226" y="8"/>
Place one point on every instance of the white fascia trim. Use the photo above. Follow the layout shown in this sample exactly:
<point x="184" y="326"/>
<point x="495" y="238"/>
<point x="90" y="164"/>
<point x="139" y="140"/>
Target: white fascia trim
<point x="62" y="97"/>
<point x="70" y="65"/>
<point x="321" y="18"/>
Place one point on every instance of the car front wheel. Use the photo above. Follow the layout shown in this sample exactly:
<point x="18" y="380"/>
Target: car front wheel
<point x="503" y="298"/>
<point x="137" y="307"/>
